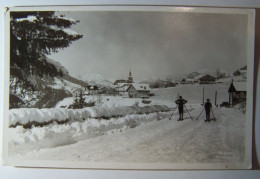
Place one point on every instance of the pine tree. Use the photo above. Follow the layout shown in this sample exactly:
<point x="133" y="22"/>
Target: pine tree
<point x="33" y="35"/>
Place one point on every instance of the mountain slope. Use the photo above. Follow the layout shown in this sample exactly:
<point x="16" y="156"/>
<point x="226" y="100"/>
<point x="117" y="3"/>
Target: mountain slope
<point x="95" y="79"/>
<point x="46" y="90"/>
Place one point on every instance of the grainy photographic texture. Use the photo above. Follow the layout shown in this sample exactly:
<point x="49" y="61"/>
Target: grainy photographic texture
<point x="129" y="87"/>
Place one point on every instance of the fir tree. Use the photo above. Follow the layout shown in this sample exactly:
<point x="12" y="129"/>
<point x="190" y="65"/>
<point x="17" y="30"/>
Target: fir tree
<point x="33" y="35"/>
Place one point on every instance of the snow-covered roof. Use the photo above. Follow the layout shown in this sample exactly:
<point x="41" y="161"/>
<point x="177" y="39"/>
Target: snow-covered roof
<point x="206" y="75"/>
<point x="199" y="76"/>
<point x="243" y="71"/>
<point x="119" y="85"/>
<point x="141" y="87"/>
<point x="240" y="86"/>
<point x="123" y="87"/>
<point x="189" y="80"/>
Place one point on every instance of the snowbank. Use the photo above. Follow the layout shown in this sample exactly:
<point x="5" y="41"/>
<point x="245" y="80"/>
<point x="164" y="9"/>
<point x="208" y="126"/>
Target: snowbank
<point x="28" y="117"/>
<point x="23" y="140"/>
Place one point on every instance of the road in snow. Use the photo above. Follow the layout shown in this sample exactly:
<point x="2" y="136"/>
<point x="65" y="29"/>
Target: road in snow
<point x="161" y="141"/>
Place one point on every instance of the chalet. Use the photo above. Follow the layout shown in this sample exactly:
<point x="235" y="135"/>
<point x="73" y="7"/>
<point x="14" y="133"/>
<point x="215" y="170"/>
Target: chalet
<point x="237" y="93"/>
<point x="207" y="79"/>
<point x="121" y="89"/>
<point x="91" y="89"/>
<point x="138" y="90"/>
<point x="187" y="81"/>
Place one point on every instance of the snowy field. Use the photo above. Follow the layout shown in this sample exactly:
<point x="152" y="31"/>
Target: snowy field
<point x="117" y="131"/>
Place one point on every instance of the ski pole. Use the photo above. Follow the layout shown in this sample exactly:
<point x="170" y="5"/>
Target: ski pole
<point x="187" y="111"/>
<point x="213" y="115"/>
<point x="199" y="114"/>
<point x="173" y="112"/>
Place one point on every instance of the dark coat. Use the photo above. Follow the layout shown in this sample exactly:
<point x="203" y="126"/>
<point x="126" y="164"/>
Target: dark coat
<point x="180" y="103"/>
<point x="208" y="106"/>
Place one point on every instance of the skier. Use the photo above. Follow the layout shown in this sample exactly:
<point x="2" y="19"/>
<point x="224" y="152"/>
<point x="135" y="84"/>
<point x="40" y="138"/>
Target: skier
<point x="180" y="102"/>
<point x="207" y="107"/>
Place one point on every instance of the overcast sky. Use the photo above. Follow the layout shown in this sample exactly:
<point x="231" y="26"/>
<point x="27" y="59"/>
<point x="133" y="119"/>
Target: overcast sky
<point x="154" y="44"/>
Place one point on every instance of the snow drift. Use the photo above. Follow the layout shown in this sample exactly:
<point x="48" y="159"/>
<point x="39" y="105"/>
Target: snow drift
<point x="22" y="140"/>
<point x="27" y="117"/>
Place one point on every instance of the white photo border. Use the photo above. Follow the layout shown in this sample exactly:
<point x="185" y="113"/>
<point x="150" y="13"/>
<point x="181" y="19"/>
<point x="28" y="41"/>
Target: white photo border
<point x="247" y="164"/>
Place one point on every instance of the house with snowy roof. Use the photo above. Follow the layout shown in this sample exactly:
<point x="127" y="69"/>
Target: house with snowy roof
<point x="138" y="90"/>
<point x="207" y="79"/>
<point x="121" y="89"/>
<point x="243" y="73"/>
<point x="237" y="93"/>
<point x="91" y="89"/>
<point x="187" y="81"/>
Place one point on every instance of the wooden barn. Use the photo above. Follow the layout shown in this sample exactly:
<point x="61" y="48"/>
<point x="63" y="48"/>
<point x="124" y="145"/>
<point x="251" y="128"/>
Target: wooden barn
<point x="138" y="90"/>
<point x="207" y="79"/>
<point x="237" y="93"/>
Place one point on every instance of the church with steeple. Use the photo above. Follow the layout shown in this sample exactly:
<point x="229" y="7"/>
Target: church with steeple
<point x="129" y="80"/>
<point x="130" y="89"/>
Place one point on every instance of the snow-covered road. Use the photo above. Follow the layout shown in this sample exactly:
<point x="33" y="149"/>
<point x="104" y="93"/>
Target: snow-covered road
<point x="162" y="140"/>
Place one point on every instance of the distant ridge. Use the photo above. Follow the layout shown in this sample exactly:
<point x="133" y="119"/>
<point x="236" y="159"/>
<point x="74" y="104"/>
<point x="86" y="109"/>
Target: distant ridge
<point x="75" y="80"/>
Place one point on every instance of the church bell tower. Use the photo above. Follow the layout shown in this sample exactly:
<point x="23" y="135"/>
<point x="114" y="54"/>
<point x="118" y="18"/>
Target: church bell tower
<point x="130" y="78"/>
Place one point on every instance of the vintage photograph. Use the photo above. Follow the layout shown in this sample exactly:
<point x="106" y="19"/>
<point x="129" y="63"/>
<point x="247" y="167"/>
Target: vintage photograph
<point x="129" y="87"/>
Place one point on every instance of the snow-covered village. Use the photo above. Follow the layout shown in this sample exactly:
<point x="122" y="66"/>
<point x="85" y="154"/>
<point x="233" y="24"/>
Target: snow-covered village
<point x="85" y="92"/>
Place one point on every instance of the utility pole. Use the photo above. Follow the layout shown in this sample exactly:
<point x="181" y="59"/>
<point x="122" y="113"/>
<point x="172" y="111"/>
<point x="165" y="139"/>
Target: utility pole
<point x="203" y="96"/>
<point x="216" y="93"/>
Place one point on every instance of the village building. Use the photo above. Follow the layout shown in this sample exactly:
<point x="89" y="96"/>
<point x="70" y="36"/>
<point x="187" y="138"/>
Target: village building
<point x="121" y="89"/>
<point x="119" y="81"/>
<point x="207" y="79"/>
<point x="122" y="81"/>
<point x="243" y="73"/>
<point x="138" y="90"/>
<point x="91" y="90"/>
<point x="130" y="78"/>
<point x="167" y="83"/>
<point x="107" y="90"/>
<point x="237" y="93"/>
<point x="187" y="81"/>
